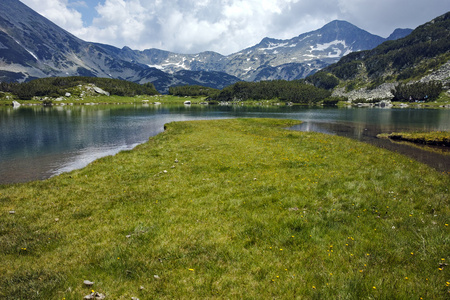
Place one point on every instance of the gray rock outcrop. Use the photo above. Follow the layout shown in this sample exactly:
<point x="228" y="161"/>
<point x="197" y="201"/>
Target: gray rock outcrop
<point x="100" y="91"/>
<point x="381" y="92"/>
<point x="442" y="74"/>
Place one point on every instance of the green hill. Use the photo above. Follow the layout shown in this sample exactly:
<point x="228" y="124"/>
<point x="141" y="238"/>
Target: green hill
<point x="59" y="86"/>
<point x="419" y="56"/>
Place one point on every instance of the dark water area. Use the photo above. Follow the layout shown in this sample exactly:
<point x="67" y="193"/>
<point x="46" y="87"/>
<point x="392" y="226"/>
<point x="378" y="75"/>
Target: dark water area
<point x="40" y="142"/>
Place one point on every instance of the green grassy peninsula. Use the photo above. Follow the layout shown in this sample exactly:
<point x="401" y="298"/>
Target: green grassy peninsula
<point x="231" y="209"/>
<point x="440" y="138"/>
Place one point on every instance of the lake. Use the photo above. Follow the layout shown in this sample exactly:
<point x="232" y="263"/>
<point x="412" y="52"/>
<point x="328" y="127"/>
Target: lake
<point x="39" y="142"/>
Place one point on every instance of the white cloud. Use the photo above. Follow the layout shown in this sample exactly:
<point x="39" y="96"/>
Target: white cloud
<point x="383" y="16"/>
<point x="226" y="26"/>
<point x="59" y="12"/>
<point x="78" y="4"/>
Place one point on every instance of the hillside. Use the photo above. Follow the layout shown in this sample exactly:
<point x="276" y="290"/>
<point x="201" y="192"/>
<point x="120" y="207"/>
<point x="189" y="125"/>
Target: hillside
<point x="56" y="87"/>
<point x="422" y="56"/>
<point x="33" y="47"/>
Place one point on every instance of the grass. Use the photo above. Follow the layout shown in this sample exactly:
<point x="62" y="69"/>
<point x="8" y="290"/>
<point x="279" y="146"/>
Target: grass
<point x="440" y="138"/>
<point x="100" y="99"/>
<point x="142" y="99"/>
<point x="169" y="99"/>
<point x="239" y="208"/>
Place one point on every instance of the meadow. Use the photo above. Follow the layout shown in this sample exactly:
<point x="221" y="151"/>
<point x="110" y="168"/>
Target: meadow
<point x="235" y="209"/>
<point x="98" y="100"/>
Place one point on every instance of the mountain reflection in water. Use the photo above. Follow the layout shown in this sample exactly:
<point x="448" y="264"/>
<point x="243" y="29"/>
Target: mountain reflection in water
<point x="39" y="142"/>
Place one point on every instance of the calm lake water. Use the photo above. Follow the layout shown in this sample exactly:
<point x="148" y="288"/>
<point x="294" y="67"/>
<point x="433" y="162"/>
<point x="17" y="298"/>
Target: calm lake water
<point x="39" y="142"/>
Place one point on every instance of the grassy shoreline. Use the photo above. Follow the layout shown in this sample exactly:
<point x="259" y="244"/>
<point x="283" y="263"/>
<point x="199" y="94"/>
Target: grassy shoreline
<point x="169" y="99"/>
<point x="237" y="208"/>
<point x="99" y="100"/>
<point x="438" y="138"/>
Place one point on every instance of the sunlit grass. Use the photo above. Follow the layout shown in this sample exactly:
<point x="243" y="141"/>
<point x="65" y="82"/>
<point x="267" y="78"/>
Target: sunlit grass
<point x="237" y="208"/>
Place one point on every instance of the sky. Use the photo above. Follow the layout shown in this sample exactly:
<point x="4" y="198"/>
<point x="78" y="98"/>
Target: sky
<point x="225" y="26"/>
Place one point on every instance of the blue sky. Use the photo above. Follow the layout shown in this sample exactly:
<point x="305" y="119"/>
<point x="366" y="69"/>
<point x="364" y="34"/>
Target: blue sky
<point x="225" y="26"/>
<point x="86" y="8"/>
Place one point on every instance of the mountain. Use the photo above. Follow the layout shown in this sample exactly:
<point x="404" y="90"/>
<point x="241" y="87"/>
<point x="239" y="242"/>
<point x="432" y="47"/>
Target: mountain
<point x="33" y="47"/>
<point x="272" y="58"/>
<point x="422" y="56"/>
<point x="399" y="33"/>
<point x="301" y="55"/>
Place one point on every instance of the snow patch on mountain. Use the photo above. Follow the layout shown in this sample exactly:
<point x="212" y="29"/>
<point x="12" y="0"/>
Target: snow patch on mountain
<point x="272" y="46"/>
<point x="31" y="53"/>
<point x="159" y="67"/>
<point x="304" y="38"/>
<point x="322" y="47"/>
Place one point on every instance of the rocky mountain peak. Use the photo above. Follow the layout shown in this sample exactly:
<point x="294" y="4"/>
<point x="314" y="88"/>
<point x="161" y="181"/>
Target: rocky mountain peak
<point x="399" y="33"/>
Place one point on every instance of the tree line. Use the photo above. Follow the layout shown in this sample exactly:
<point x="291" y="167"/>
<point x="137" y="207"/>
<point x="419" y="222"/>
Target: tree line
<point x="192" y="91"/>
<point x="296" y="91"/>
<point x="58" y="86"/>
<point x="424" y="91"/>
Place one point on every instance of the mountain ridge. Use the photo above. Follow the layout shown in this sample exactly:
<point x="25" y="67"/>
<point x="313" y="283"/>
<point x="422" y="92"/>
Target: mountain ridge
<point x="326" y="44"/>
<point x="31" y="46"/>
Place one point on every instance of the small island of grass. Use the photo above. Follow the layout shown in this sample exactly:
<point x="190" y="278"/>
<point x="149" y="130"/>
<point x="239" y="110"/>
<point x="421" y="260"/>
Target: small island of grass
<point x="438" y="138"/>
<point x="239" y="208"/>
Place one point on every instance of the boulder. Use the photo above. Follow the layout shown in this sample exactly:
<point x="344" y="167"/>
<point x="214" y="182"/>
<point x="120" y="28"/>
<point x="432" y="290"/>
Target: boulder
<point x="100" y="91"/>
<point x="88" y="283"/>
<point x="384" y="104"/>
<point x="94" y="295"/>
